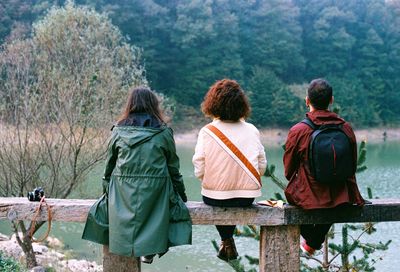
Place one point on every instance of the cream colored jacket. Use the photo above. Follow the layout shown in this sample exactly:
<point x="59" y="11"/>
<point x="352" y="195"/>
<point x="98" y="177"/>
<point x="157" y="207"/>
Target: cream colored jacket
<point x="223" y="174"/>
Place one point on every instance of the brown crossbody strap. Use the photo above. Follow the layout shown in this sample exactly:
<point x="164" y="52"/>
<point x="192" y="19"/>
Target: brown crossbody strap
<point x="235" y="151"/>
<point x="35" y="217"/>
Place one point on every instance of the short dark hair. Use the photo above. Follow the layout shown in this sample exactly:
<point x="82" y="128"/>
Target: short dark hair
<point x="319" y="93"/>
<point x="226" y="100"/>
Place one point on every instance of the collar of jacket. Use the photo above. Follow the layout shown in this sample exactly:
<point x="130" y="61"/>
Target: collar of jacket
<point x="322" y="117"/>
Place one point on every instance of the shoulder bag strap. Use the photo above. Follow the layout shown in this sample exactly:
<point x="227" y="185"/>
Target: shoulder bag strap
<point x="235" y="151"/>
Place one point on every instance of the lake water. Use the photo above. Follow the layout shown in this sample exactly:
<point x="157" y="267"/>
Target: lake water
<point x="382" y="176"/>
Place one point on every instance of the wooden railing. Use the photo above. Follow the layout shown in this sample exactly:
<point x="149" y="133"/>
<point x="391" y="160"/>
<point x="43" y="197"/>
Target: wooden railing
<point x="279" y="240"/>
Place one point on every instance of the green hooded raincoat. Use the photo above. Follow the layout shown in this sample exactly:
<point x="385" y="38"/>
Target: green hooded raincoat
<point x="146" y="212"/>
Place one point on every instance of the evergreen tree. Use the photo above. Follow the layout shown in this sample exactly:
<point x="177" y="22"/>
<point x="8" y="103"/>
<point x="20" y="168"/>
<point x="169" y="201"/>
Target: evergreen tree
<point x="273" y="104"/>
<point x="351" y="98"/>
<point x="370" y="56"/>
<point x="148" y="24"/>
<point x="206" y="33"/>
<point x="391" y="71"/>
<point x="16" y="16"/>
<point x="188" y="45"/>
<point x="327" y="42"/>
<point x="270" y="37"/>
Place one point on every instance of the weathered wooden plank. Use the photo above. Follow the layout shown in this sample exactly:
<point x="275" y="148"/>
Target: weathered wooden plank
<point x="381" y="210"/>
<point x="113" y="262"/>
<point x="75" y="210"/>
<point x="279" y="248"/>
<point x="279" y="242"/>
<point x="67" y="210"/>
<point x="255" y="215"/>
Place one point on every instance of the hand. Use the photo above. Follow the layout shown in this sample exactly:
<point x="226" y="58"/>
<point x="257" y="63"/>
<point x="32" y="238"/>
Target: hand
<point x="105" y="187"/>
<point x="183" y="196"/>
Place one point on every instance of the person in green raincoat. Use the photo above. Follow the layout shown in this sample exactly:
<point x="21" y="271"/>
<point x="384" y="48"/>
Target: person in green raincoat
<point x="145" y="189"/>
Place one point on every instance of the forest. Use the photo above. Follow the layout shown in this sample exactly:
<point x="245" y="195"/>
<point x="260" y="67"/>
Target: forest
<point x="273" y="48"/>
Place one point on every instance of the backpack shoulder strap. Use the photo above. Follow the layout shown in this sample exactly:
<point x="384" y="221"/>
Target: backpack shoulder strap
<point x="308" y="122"/>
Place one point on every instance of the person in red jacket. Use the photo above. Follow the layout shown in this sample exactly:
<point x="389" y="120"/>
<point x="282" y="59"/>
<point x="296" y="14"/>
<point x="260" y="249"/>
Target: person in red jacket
<point x="303" y="190"/>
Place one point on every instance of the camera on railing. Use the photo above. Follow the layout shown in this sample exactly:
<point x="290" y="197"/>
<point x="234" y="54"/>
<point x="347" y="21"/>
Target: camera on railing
<point x="36" y="194"/>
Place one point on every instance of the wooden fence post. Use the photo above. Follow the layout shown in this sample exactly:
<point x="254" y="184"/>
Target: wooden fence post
<point x="116" y="263"/>
<point x="279" y="248"/>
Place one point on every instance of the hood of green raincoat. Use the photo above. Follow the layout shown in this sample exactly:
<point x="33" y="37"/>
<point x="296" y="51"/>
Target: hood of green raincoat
<point x="133" y="136"/>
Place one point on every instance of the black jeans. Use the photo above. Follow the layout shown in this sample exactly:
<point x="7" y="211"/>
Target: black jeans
<point x="314" y="234"/>
<point x="226" y="232"/>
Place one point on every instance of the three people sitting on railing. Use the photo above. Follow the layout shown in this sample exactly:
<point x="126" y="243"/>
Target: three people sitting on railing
<point x="145" y="190"/>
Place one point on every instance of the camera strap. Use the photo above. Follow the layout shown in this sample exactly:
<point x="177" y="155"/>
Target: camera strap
<point x="34" y="219"/>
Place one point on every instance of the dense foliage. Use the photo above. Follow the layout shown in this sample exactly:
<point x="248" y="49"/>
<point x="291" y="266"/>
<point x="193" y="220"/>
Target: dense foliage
<point x="8" y="264"/>
<point x="270" y="46"/>
<point x="70" y="76"/>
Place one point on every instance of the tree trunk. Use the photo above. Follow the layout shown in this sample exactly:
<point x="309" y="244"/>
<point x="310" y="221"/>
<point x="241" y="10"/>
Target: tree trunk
<point x="25" y="244"/>
<point x="29" y="253"/>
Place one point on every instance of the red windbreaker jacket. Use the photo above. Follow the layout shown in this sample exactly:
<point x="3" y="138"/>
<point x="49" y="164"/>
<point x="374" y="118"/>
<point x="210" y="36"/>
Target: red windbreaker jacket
<point x="302" y="189"/>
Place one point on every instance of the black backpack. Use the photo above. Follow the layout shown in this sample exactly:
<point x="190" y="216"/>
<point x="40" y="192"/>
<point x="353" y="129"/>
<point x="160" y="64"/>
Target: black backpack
<point x="330" y="154"/>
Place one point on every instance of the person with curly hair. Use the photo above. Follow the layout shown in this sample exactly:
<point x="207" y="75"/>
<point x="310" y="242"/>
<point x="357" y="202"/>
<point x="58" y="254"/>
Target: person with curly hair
<point x="229" y="158"/>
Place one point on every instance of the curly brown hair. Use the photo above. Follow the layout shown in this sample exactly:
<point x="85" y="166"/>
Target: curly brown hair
<point x="226" y="100"/>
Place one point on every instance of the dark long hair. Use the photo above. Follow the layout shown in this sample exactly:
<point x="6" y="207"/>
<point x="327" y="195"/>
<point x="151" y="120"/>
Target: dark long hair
<point x="142" y="100"/>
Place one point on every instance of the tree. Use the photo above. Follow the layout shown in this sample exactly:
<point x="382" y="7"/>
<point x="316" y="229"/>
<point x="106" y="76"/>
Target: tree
<point x="148" y="24"/>
<point x="392" y="41"/>
<point x="20" y="149"/>
<point x="16" y="16"/>
<point x="59" y="90"/>
<point x="270" y="37"/>
<point x="327" y="41"/>
<point x="351" y="97"/>
<point x="206" y="32"/>
<point x="84" y="71"/>
<point x="190" y="44"/>
<point x="273" y="104"/>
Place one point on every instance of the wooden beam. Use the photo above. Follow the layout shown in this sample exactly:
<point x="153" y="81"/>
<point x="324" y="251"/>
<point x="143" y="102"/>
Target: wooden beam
<point x="279" y="241"/>
<point x="75" y="210"/>
<point x="279" y="248"/>
<point x="66" y="210"/>
<point x="380" y="210"/>
<point x="203" y="214"/>
<point x="113" y="262"/>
